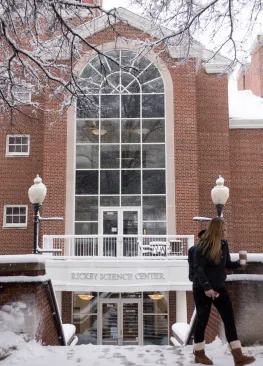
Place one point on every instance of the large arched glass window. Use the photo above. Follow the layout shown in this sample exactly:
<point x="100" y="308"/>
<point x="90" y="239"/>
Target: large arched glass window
<point x="120" y="141"/>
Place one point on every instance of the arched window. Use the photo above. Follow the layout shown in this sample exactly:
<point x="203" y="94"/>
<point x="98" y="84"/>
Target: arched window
<point x="120" y="141"/>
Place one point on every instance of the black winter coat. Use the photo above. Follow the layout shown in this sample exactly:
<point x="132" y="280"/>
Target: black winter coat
<point x="209" y="275"/>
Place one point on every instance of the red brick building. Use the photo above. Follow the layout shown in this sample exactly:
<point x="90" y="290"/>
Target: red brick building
<point x="133" y="162"/>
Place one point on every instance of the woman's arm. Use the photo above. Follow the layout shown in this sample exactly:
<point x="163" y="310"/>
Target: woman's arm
<point x="199" y="264"/>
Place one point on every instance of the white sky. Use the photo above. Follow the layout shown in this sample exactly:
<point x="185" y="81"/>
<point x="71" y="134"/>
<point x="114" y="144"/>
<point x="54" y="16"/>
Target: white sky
<point x="109" y="4"/>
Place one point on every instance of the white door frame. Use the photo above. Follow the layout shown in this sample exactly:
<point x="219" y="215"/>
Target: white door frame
<point x="119" y="235"/>
<point x="120" y="303"/>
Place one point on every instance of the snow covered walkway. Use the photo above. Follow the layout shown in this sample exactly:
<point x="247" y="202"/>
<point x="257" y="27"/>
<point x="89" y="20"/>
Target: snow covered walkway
<point x="33" y="354"/>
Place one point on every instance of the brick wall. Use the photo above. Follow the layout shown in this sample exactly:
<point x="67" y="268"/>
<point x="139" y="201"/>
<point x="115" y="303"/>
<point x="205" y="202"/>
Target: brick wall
<point x="252" y="77"/>
<point x="37" y="307"/>
<point x="66" y="311"/>
<point x="248" y="318"/>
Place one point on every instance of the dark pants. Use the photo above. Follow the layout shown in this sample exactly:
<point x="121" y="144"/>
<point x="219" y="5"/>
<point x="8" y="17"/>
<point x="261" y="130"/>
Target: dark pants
<point x="203" y="307"/>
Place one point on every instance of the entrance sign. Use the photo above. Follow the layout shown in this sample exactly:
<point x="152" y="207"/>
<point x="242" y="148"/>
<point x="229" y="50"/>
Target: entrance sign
<point x="93" y="276"/>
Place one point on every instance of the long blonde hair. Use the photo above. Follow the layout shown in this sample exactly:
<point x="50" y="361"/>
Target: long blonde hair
<point x="211" y="240"/>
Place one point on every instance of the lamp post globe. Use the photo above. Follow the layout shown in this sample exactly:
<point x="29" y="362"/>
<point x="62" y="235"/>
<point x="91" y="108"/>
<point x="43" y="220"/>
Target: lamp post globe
<point x="37" y="193"/>
<point x="219" y="195"/>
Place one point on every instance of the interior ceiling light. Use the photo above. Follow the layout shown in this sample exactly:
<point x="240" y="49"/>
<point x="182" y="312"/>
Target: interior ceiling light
<point x="156" y="296"/>
<point x="99" y="132"/>
<point x="86" y="297"/>
<point x="144" y="131"/>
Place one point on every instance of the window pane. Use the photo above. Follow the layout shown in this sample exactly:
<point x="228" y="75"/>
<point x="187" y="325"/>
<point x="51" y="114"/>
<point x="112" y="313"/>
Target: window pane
<point x="130" y="182"/>
<point x="87" y="157"/>
<point x="153" y="156"/>
<point x="24" y="148"/>
<point x="87" y="182"/>
<point x="109" y="182"/>
<point x="139" y="65"/>
<point x="154" y="228"/>
<point x="11" y="140"/>
<point x="149" y="74"/>
<point x="131" y="201"/>
<point x="16" y="220"/>
<point x="155" y="330"/>
<point x="155" y="306"/>
<point x="112" y="128"/>
<point x="130" y="156"/>
<point x="115" y="55"/>
<point x="25" y="140"/>
<point x="85" y="131"/>
<point x="153" y="87"/>
<point x="110" y="156"/>
<point x="15" y="210"/>
<point x="88" y="107"/>
<point x="153" y="105"/>
<point x="22" y="210"/>
<point x="153" y="181"/>
<point x="130" y="131"/>
<point x="86" y="209"/>
<point x="9" y="210"/>
<point x="127" y="57"/>
<point x="12" y="148"/>
<point x="91" y="74"/>
<point x="22" y="220"/>
<point x="84" y="306"/>
<point x="9" y="219"/>
<point x="89" y="228"/>
<point x="86" y="328"/>
<point x="153" y="130"/>
<point x="154" y="208"/>
<point x="130" y="106"/>
<point x="18" y="148"/>
<point x="109" y="201"/>
<point x="18" y="140"/>
<point x="110" y="106"/>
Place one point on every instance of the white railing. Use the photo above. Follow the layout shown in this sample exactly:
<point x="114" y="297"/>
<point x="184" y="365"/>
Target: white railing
<point x="128" y="246"/>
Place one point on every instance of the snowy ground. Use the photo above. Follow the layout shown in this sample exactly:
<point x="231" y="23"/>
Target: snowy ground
<point x="32" y="354"/>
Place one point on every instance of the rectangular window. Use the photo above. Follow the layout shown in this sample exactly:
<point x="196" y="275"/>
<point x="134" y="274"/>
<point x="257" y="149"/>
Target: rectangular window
<point x="17" y="145"/>
<point x="15" y="216"/>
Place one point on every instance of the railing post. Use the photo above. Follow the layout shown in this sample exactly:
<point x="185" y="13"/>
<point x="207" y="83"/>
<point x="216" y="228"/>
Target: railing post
<point x="190" y="241"/>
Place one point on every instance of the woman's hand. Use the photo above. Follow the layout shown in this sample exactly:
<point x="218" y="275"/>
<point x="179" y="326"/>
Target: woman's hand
<point x="211" y="293"/>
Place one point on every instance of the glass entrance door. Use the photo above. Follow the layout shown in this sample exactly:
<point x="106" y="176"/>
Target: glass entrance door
<point x="120" y="228"/>
<point x="130" y="323"/>
<point x="120" y="322"/>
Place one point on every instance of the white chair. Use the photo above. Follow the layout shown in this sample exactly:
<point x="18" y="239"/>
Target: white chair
<point x="144" y="249"/>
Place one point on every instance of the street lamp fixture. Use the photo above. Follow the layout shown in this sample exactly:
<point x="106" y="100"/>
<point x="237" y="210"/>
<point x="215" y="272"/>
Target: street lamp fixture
<point x="37" y="193"/>
<point x="219" y="195"/>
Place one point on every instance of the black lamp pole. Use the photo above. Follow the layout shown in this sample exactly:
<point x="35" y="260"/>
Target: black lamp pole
<point x="219" y="208"/>
<point x="36" y="207"/>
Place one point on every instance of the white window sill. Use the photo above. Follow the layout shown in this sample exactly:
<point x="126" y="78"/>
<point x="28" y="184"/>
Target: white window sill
<point x="17" y="156"/>
<point x="14" y="227"/>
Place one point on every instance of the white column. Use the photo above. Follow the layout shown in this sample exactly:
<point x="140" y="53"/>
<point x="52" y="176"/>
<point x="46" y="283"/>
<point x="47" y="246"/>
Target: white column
<point x="59" y="300"/>
<point x="181" y="307"/>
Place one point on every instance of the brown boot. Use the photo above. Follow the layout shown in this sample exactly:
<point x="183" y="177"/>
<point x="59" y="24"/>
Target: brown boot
<point x="238" y="356"/>
<point x="200" y="356"/>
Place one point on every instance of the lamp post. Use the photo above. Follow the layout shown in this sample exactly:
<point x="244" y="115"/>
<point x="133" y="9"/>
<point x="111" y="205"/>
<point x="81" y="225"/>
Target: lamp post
<point x="37" y="193"/>
<point x="219" y="195"/>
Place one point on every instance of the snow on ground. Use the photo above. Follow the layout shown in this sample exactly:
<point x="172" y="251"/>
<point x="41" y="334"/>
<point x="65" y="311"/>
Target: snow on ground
<point x="33" y="354"/>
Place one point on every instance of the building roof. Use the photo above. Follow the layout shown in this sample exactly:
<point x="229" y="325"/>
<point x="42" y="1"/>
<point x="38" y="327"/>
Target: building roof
<point x="212" y="63"/>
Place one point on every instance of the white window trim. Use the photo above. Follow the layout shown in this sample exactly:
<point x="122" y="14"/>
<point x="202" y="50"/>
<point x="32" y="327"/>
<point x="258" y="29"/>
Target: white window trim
<point x="19" y="225"/>
<point x="16" y="154"/>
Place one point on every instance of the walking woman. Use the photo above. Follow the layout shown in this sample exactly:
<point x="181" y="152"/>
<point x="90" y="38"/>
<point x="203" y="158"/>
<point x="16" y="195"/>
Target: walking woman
<point x="211" y="259"/>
